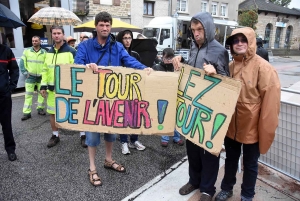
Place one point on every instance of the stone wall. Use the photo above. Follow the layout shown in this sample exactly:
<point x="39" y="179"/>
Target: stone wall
<point x="271" y="18"/>
<point x="116" y="11"/>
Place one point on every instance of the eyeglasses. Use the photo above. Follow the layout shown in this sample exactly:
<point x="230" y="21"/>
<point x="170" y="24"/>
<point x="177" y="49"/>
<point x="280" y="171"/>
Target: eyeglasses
<point x="168" y="59"/>
<point x="237" y="41"/>
<point x="127" y="38"/>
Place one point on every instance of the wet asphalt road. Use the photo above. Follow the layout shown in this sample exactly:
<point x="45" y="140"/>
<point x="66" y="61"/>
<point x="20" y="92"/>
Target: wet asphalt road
<point x="61" y="172"/>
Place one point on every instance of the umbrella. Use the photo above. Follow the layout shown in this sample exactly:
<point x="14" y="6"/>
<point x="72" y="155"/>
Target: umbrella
<point x="8" y="18"/>
<point x="55" y="16"/>
<point x="146" y="49"/>
<point x="117" y="26"/>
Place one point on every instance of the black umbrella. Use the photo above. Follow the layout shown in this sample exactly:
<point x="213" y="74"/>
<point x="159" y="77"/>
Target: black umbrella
<point x="8" y="18"/>
<point x="146" y="49"/>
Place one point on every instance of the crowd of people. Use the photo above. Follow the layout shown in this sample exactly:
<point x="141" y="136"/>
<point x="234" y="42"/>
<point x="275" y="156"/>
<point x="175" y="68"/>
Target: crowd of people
<point x="251" y="130"/>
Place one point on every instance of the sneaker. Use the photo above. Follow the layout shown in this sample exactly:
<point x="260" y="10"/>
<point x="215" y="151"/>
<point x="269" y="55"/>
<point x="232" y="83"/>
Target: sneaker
<point x="82" y="141"/>
<point x="205" y="197"/>
<point x="12" y="156"/>
<point x="223" y="195"/>
<point x="26" y="116"/>
<point x="137" y="145"/>
<point x="53" y="141"/>
<point x="41" y="111"/>
<point x="180" y="142"/>
<point x="125" y="149"/>
<point x="164" y="144"/>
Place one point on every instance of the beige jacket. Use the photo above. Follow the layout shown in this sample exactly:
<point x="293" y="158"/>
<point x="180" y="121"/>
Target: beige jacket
<point x="256" y="114"/>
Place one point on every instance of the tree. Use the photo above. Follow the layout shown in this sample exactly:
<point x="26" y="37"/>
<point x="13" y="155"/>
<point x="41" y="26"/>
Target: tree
<point x="248" y="18"/>
<point x="283" y="3"/>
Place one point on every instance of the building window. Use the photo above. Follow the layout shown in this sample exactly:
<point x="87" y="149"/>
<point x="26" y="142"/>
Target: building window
<point x="106" y="2"/>
<point x="148" y="8"/>
<point x="79" y="7"/>
<point x="223" y="10"/>
<point x="214" y="8"/>
<point x="182" y="5"/>
<point x="204" y="6"/>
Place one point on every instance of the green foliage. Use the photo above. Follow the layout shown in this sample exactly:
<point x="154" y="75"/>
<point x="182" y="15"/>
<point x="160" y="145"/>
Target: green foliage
<point x="248" y="18"/>
<point x="283" y="3"/>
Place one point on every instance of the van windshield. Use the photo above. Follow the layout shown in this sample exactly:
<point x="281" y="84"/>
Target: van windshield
<point x="151" y="32"/>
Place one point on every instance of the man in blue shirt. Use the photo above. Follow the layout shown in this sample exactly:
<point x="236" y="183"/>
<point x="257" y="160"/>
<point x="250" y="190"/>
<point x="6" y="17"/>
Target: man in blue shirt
<point x="103" y="50"/>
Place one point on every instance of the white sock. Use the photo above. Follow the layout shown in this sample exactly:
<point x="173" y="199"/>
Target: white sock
<point x="55" y="133"/>
<point x="82" y="133"/>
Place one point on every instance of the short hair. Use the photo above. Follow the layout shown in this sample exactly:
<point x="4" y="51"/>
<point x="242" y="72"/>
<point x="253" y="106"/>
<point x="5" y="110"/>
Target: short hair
<point x="103" y="17"/>
<point x="168" y="52"/>
<point x="57" y="27"/>
<point x="127" y="32"/>
<point x="85" y="37"/>
<point x="195" y="21"/>
<point x="36" y="37"/>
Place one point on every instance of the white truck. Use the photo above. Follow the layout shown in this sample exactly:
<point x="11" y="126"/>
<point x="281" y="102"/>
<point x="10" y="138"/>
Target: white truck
<point x="173" y="32"/>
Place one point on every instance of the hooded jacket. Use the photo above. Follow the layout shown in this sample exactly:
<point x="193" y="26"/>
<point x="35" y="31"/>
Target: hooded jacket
<point x="132" y="53"/>
<point x="256" y="114"/>
<point x="9" y="71"/>
<point x="211" y="52"/>
<point x="260" y="50"/>
<point x="114" y="54"/>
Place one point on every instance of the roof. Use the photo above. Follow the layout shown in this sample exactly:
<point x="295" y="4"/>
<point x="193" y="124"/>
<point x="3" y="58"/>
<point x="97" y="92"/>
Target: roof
<point x="262" y="5"/>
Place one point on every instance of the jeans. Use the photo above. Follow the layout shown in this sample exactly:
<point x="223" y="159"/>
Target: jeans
<point x="93" y="138"/>
<point x="203" y="168"/>
<point x="124" y="138"/>
<point x="250" y="159"/>
<point x="176" y="137"/>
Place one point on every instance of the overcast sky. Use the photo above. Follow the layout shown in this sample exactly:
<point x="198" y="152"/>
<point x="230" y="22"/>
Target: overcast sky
<point x="295" y="4"/>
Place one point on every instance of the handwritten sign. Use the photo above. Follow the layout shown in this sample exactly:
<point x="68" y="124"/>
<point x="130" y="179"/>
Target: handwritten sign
<point x="205" y="105"/>
<point x="115" y="100"/>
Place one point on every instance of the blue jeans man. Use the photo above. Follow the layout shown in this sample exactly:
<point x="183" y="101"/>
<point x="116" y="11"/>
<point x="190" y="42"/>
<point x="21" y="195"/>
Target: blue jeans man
<point x="176" y="139"/>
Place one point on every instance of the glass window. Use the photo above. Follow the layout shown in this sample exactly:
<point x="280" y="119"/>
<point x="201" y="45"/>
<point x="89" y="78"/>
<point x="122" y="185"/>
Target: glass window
<point x="182" y="5"/>
<point x="267" y="35"/>
<point x="214" y="8"/>
<point x="79" y="7"/>
<point x="203" y="6"/>
<point x="288" y="36"/>
<point x="224" y="10"/>
<point x="148" y="8"/>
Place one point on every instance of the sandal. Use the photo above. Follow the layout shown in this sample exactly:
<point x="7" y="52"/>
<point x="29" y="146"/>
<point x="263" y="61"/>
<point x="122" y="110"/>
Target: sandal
<point x="110" y="165"/>
<point x="93" y="180"/>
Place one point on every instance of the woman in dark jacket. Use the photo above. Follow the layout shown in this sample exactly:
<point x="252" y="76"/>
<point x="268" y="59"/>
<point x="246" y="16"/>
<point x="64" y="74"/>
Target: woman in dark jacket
<point x="125" y="37"/>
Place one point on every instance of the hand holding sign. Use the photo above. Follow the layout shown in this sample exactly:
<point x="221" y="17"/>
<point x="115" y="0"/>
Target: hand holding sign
<point x="209" y="69"/>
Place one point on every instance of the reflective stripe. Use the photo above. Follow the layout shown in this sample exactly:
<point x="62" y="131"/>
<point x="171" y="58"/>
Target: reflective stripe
<point x="35" y="61"/>
<point x="51" y="84"/>
<point x="40" y="104"/>
<point x="26" y="106"/>
<point x="34" y="74"/>
<point x="51" y="66"/>
<point x="50" y="108"/>
<point x="29" y="93"/>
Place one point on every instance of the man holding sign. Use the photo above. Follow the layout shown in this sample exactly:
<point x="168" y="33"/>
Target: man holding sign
<point x="103" y="50"/>
<point x="205" y="53"/>
<point x="255" y="119"/>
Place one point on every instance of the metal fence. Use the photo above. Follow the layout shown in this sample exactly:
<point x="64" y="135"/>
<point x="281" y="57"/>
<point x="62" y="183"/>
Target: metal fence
<point x="284" y="154"/>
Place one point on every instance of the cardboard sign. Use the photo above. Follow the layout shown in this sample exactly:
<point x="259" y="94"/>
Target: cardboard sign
<point x="115" y="100"/>
<point x="205" y="106"/>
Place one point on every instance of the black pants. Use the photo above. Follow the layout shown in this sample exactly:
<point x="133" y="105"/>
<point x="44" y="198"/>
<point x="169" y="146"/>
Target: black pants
<point x="203" y="168"/>
<point x="5" y="120"/>
<point x="250" y="161"/>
